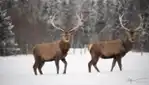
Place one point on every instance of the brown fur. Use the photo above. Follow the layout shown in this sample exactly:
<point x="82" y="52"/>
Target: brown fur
<point x="54" y="51"/>
<point x="115" y="49"/>
<point x="104" y="47"/>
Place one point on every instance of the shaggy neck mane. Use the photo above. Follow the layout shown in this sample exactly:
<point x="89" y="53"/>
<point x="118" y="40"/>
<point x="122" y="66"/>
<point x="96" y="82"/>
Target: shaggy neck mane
<point x="127" y="44"/>
<point x="64" y="46"/>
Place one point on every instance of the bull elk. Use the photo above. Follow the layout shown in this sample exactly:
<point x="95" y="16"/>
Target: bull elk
<point x="115" y="49"/>
<point x="56" y="50"/>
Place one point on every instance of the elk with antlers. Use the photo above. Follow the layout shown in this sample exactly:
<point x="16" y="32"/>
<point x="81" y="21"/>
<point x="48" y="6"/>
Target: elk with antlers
<point x="54" y="51"/>
<point x="115" y="49"/>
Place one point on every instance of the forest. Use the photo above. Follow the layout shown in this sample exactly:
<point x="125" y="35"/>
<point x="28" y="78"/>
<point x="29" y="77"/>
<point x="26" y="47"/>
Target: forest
<point x="24" y="23"/>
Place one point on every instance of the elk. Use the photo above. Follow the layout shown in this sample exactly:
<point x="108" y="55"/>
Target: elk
<point x="56" y="50"/>
<point x="115" y="49"/>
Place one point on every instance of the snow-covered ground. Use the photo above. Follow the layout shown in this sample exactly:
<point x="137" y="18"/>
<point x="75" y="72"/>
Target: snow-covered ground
<point x="18" y="71"/>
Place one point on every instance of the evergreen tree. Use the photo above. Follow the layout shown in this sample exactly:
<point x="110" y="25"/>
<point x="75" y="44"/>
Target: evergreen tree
<point x="8" y="46"/>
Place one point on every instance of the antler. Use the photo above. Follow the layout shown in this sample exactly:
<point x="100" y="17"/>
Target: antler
<point x="141" y="23"/>
<point x="52" y="22"/>
<point x="80" y="22"/>
<point x="120" y="18"/>
<point x="139" y="27"/>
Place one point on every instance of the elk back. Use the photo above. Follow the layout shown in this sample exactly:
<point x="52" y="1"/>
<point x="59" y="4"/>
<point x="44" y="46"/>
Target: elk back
<point x="110" y="48"/>
<point x="47" y="51"/>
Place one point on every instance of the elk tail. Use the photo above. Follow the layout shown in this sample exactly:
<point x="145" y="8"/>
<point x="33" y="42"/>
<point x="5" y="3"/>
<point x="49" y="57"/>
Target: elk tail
<point x="90" y="46"/>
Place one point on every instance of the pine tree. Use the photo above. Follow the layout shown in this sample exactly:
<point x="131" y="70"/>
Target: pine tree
<point x="8" y="46"/>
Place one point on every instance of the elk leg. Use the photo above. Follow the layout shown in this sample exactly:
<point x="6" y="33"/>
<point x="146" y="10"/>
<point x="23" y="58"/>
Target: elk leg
<point x="113" y="64"/>
<point x="35" y="67"/>
<point x="119" y="60"/>
<point x="90" y="63"/>
<point x="57" y="65"/>
<point x="95" y="60"/>
<point x="65" y="67"/>
<point x="40" y="67"/>
<point x="89" y="66"/>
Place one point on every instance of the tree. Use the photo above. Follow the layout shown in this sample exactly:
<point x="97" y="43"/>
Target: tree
<point x="7" y="37"/>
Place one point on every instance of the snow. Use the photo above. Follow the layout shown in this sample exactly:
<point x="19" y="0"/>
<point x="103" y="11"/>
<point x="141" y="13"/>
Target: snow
<point x="17" y="70"/>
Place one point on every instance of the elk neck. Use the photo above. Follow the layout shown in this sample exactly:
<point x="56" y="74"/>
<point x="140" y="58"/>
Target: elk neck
<point x="128" y="45"/>
<point x="64" y="46"/>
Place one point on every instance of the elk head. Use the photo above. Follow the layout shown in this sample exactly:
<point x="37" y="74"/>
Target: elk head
<point x="131" y="33"/>
<point x="66" y="34"/>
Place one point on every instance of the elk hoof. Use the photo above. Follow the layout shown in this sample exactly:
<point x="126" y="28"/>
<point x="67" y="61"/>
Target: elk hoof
<point x="89" y="71"/>
<point x="41" y="74"/>
<point x="111" y="70"/>
<point x="64" y="72"/>
<point x="35" y="74"/>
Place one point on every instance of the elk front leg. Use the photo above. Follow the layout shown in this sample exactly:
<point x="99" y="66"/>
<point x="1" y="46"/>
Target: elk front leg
<point x="119" y="60"/>
<point x="57" y="65"/>
<point x="65" y="67"/>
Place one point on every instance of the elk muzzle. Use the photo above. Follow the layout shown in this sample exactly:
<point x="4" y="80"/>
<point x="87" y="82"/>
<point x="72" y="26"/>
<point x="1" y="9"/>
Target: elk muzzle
<point x="66" y="37"/>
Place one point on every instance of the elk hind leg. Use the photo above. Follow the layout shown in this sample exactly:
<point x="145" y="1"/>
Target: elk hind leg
<point x="65" y="67"/>
<point x="35" y="67"/>
<point x="95" y="60"/>
<point x="89" y="65"/>
<point x="40" y="67"/>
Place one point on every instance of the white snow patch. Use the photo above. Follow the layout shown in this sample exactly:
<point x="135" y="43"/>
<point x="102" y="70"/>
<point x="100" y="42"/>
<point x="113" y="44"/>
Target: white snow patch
<point x="18" y="71"/>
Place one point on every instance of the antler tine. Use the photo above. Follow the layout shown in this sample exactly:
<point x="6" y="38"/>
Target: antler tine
<point x="79" y="22"/>
<point x="141" y="23"/>
<point x="120" y="19"/>
<point x="52" y="22"/>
